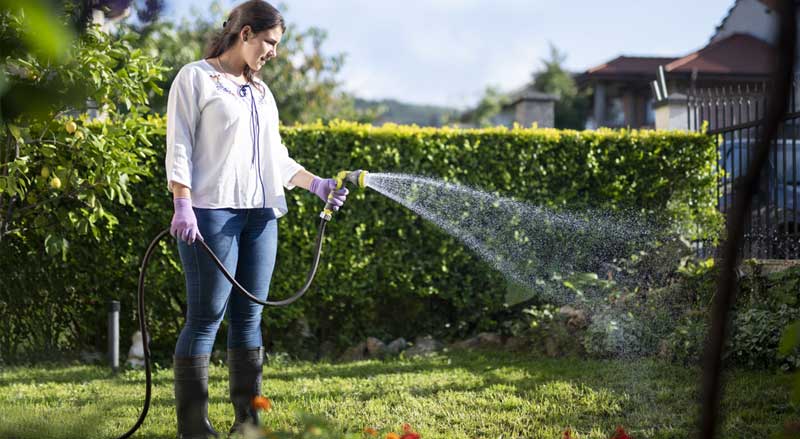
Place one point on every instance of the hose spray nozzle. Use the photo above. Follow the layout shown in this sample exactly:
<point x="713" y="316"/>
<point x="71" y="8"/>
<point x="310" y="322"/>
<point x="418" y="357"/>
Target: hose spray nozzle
<point x="356" y="178"/>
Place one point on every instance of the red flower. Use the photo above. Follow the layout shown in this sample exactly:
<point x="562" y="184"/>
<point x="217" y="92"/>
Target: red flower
<point x="620" y="434"/>
<point x="261" y="403"/>
<point x="567" y="434"/>
<point x="408" y="433"/>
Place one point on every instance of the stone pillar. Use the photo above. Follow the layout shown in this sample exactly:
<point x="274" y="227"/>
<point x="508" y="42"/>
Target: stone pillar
<point x="671" y="113"/>
<point x="541" y="112"/>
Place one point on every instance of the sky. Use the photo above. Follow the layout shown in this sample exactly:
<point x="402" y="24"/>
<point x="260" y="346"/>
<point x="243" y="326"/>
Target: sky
<point x="447" y="52"/>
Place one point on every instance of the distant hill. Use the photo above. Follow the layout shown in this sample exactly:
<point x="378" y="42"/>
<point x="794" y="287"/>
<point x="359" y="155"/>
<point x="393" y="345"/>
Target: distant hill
<point x="406" y="114"/>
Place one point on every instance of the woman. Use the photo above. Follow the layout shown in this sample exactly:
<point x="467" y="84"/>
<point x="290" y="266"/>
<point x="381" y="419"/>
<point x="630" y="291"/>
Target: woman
<point x="226" y="167"/>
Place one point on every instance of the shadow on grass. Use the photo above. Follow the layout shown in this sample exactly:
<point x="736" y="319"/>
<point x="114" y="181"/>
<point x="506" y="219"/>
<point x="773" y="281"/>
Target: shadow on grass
<point x="22" y="423"/>
<point x="490" y="366"/>
<point x="649" y="395"/>
<point x="60" y="374"/>
<point x="54" y="373"/>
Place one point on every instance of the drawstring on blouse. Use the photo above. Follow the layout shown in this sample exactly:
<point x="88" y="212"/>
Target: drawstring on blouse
<point x="255" y="133"/>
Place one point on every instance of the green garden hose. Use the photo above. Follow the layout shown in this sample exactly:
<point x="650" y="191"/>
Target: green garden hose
<point x="355" y="177"/>
<point x="240" y="289"/>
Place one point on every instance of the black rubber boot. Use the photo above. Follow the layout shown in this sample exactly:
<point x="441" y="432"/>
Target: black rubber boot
<point x="244" y="373"/>
<point x="191" y="398"/>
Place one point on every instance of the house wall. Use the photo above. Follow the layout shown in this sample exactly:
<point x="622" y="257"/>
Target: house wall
<point x="639" y="110"/>
<point x="750" y="17"/>
<point x="631" y="109"/>
<point x="618" y="104"/>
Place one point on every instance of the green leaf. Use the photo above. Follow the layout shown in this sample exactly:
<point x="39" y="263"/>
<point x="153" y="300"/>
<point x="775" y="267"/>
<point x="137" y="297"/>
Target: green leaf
<point x="144" y="139"/>
<point x="790" y="338"/>
<point x="11" y="186"/>
<point x="586" y="277"/>
<point x="796" y="390"/>
<point x="45" y="33"/>
<point x="64" y="245"/>
<point x="15" y="131"/>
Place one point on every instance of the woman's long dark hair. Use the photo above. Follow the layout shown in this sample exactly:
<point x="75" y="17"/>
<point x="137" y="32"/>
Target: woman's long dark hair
<point x="257" y="14"/>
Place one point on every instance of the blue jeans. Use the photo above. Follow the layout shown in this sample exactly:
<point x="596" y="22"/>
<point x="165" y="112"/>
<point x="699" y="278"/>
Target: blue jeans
<point x="246" y="241"/>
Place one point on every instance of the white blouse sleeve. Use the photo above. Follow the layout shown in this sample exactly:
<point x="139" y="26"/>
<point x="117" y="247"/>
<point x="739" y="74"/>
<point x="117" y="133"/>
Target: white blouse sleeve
<point x="287" y="165"/>
<point x="182" y="118"/>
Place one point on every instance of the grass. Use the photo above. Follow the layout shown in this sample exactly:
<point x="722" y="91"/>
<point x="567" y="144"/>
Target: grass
<point x="450" y="395"/>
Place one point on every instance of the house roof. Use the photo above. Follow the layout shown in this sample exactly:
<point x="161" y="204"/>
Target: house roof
<point x="528" y="93"/>
<point x="641" y="68"/>
<point x="630" y="65"/>
<point x="737" y="54"/>
<point x="114" y="8"/>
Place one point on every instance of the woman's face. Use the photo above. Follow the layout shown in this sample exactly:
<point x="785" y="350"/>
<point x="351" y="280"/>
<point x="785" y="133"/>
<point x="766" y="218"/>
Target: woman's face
<point x="261" y="47"/>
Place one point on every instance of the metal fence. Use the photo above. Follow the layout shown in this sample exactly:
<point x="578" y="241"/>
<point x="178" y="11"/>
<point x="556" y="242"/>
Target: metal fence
<point x="735" y="115"/>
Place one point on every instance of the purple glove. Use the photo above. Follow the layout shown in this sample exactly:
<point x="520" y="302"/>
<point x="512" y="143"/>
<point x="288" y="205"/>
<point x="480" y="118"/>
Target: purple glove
<point x="323" y="187"/>
<point x="184" y="223"/>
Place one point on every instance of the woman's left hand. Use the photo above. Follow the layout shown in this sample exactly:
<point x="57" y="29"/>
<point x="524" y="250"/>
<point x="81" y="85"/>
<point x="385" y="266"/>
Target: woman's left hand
<point x="322" y="187"/>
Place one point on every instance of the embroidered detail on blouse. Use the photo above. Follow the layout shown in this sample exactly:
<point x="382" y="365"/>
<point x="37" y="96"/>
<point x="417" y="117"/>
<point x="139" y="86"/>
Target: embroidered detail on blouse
<point x="217" y="78"/>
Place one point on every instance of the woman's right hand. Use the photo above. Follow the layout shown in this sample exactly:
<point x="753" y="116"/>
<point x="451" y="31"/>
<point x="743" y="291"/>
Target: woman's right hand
<point x="184" y="223"/>
<point x="323" y="187"/>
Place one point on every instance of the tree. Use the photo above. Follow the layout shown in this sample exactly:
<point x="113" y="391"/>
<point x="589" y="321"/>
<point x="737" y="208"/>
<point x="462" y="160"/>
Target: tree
<point x="81" y="145"/>
<point x="572" y="105"/>
<point x="490" y="105"/>
<point x="74" y="143"/>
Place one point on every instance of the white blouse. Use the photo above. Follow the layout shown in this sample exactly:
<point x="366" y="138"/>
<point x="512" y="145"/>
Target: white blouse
<point x="223" y="142"/>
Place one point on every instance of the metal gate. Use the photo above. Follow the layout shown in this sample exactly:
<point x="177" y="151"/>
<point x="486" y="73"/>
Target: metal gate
<point x="734" y="115"/>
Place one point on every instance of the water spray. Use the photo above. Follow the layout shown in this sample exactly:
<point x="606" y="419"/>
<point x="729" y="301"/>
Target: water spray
<point x="356" y="178"/>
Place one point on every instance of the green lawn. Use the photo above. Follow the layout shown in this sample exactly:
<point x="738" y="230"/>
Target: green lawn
<point x="451" y="395"/>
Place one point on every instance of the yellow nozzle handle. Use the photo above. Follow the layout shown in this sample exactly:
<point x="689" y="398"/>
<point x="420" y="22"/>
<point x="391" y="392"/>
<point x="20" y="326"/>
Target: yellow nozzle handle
<point x="327" y="212"/>
<point x="340" y="179"/>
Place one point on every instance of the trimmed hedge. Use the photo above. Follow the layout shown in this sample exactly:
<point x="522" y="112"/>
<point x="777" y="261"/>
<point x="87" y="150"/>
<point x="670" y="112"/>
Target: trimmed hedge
<point x="385" y="271"/>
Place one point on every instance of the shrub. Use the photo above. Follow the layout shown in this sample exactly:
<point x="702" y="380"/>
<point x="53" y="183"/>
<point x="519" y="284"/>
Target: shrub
<point x="552" y="332"/>
<point x="385" y="271"/>
<point x="756" y="333"/>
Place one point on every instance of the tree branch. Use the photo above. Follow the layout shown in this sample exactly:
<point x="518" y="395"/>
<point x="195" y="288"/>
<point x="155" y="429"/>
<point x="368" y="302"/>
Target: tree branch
<point x="725" y="297"/>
